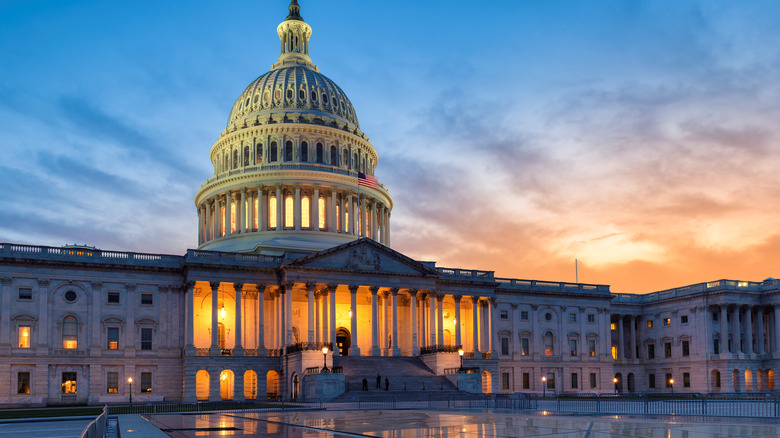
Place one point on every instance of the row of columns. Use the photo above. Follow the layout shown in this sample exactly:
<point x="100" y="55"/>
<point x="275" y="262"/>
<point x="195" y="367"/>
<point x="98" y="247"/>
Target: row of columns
<point x="216" y="218"/>
<point x="766" y="329"/>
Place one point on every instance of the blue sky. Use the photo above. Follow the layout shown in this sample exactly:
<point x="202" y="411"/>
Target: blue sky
<point x="640" y="137"/>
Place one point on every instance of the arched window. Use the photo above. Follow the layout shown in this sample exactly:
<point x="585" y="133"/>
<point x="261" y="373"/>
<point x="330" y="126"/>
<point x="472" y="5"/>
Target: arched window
<point x="354" y="161"/>
<point x="289" y="212"/>
<point x="246" y="156"/>
<point x="225" y="164"/>
<point x="304" y="151"/>
<point x="334" y="156"/>
<point x="549" y="350"/>
<point x="288" y="153"/>
<point x="70" y="332"/>
<point x="346" y="216"/>
<point x="259" y="153"/>
<point x="338" y="216"/>
<point x="272" y="212"/>
<point x="305" y="209"/>
<point x="345" y="161"/>
<point x="235" y="159"/>
<point x="319" y="152"/>
<point x="321" y="211"/>
<point x="274" y="152"/>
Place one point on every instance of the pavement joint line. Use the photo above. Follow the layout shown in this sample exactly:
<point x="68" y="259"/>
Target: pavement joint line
<point x="333" y="431"/>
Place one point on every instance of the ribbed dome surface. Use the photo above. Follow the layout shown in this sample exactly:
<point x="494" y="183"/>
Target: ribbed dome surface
<point x="294" y="89"/>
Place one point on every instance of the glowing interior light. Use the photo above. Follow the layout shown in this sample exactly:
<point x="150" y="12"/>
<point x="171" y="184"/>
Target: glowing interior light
<point x="222" y="312"/>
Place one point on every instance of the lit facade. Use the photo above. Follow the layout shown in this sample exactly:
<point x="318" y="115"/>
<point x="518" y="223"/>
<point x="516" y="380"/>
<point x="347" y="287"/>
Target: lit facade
<point x="294" y="254"/>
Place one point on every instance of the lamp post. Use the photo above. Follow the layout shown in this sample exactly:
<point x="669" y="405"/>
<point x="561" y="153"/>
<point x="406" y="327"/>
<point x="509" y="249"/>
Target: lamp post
<point x="130" y="381"/>
<point x="615" y="380"/>
<point x="544" y="386"/>
<point x="324" y="359"/>
<point x="460" y="353"/>
<point x="671" y="383"/>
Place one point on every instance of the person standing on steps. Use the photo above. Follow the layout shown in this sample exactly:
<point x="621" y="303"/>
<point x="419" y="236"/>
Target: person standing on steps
<point x="365" y="384"/>
<point x="387" y="384"/>
<point x="378" y="381"/>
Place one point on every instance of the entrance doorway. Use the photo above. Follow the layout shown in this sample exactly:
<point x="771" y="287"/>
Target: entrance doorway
<point x="343" y="341"/>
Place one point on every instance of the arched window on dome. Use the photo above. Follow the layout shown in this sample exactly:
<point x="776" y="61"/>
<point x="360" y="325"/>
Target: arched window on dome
<point x="305" y="212"/>
<point x="225" y="164"/>
<point x="313" y="95"/>
<point x="334" y="156"/>
<point x="324" y="98"/>
<point x="274" y="152"/>
<point x="321" y="213"/>
<point x="246" y="156"/>
<point x="319" y="153"/>
<point x="259" y="153"/>
<point x="235" y="159"/>
<point x="304" y="151"/>
<point x="288" y="152"/>
<point x="289" y="212"/>
<point x="338" y="217"/>
<point x="302" y="94"/>
<point x="354" y="163"/>
<point x="272" y="212"/>
<point x="345" y="160"/>
<point x="289" y="94"/>
<point x="346" y="215"/>
<point x="70" y="332"/>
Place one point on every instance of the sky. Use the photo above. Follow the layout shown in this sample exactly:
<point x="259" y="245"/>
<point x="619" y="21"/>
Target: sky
<point x="640" y="138"/>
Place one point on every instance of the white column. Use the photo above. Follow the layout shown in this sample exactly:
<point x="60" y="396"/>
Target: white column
<point x="760" y="330"/>
<point x="440" y="319"/>
<point x="310" y="310"/>
<point x="228" y="205"/>
<point x="475" y="326"/>
<point x="216" y="218"/>
<point x="632" y="342"/>
<point x="492" y="327"/>
<point x="432" y="318"/>
<point x="315" y="206"/>
<point x="396" y="349"/>
<point x="620" y="353"/>
<point x="262" y="216"/>
<point x="724" y="331"/>
<point x="288" y="313"/>
<point x="214" y="319"/>
<point x="458" y="324"/>
<point x="238" y="348"/>
<point x="250" y="212"/>
<point x="318" y="318"/>
<point x="354" y="350"/>
<point x="200" y="224"/>
<point x="242" y="226"/>
<point x="385" y="344"/>
<point x="297" y="208"/>
<point x="334" y="219"/>
<point x="387" y="229"/>
<point x="261" y="350"/>
<point x="189" y="343"/>
<point x="413" y="312"/>
<point x="776" y="331"/>
<point x="737" y="330"/>
<point x="374" y="323"/>
<point x="279" y="203"/>
<point x="332" y="318"/>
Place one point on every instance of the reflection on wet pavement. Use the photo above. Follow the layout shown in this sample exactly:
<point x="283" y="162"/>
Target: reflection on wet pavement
<point x="464" y="424"/>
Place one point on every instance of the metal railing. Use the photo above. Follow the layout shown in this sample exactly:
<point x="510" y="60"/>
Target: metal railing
<point x="97" y="428"/>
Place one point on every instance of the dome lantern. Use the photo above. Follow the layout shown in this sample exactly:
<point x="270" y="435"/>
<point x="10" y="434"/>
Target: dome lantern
<point x="294" y="36"/>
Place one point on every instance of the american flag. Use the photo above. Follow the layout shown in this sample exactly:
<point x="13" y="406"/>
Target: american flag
<point x="367" y="181"/>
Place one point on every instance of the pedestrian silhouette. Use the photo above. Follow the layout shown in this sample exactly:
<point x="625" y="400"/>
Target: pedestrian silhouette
<point x="387" y="384"/>
<point x="378" y="381"/>
<point x="365" y="385"/>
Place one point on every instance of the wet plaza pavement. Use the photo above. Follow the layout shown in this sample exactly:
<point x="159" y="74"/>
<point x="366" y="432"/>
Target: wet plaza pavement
<point x="465" y="424"/>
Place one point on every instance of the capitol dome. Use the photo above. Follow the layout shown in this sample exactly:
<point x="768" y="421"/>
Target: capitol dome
<point x="292" y="169"/>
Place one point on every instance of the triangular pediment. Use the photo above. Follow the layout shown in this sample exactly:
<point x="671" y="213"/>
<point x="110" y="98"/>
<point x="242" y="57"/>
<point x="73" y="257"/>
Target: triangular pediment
<point x="363" y="255"/>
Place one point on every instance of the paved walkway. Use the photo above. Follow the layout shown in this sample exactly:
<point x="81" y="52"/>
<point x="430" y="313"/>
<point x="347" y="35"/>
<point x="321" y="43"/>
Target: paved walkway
<point x="463" y="424"/>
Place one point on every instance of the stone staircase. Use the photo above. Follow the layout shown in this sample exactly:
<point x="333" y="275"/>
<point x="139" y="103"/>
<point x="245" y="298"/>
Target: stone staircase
<point x="407" y="375"/>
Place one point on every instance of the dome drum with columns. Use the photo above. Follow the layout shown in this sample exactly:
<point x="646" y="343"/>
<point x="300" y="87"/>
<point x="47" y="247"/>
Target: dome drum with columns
<point x="287" y="167"/>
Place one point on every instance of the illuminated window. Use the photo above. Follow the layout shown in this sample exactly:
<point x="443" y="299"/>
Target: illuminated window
<point x="334" y="156"/>
<point x="338" y="216"/>
<point x="146" y="339"/>
<point x="24" y="336"/>
<point x="319" y="153"/>
<point x="23" y="382"/>
<point x="359" y="229"/>
<point x="525" y="347"/>
<point x="650" y="324"/>
<point x="222" y="223"/>
<point x="112" y="383"/>
<point x="321" y="212"/>
<point x="612" y="326"/>
<point x="112" y="336"/>
<point x="232" y="216"/>
<point x="614" y="352"/>
<point x="592" y="347"/>
<point x="274" y="152"/>
<point x="667" y="321"/>
<point x="304" y="151"/>
<point x="69" y="383"/>
<point x="346" y="217"/>
<point x="272" y="212"/>
<point x="146" y="382"/>
<point x="288" y="151"/>
<point x="70" y="332"/>
<point x="549" y="350"/>
<point x="259" y="153"/>
<point x="289" y="212"/>
<point x="255" y="203"/>
<point x="305" y="212"/>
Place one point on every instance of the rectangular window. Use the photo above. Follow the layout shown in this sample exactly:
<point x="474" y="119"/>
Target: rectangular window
<point x="68" y="383"/>
<point x="667" y="349"/>
<point x="593" y="381"/>
<point x="113" y="338"/>
<point x="685" y="348"/>
<point x="715" y="316"/>
<point x="716" y="346"/>
<point x="505" y="346"/>
<point x="25" y="293"/>
<point x="551" y="381"/>
<point x="667" y="322"/>
<point x="684" y="319"/>
<point x="613" y="326"/>
<point x="146" y="382"/>
<point x="112" y="383"/>
<point x="23" y="382"/>
<point x="505" y="381"/>
<point x="574" y="380"/>
<point x="526" y="381"/>
<point x="146" y="339"/>
<point x="524" y="315"/>
<point x="651" y="380"/>
<point x="572" y="347"/>
<point x="591" y="318"/>
<point x="24" y="336"/>
<point x="651" y="351"/>
<point x="113" y="298"/>
<point x="524" y="347"/>
<point x="650" y="324"/>
<point x="614" y="352"/>
<point x="147" y="299"/>
<point x="686" y="380"/>
<point x="592" y="347"/>
<point x="668" y="380"/>
<point x="504" y="314"/>
<point x="572" y="317"/>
